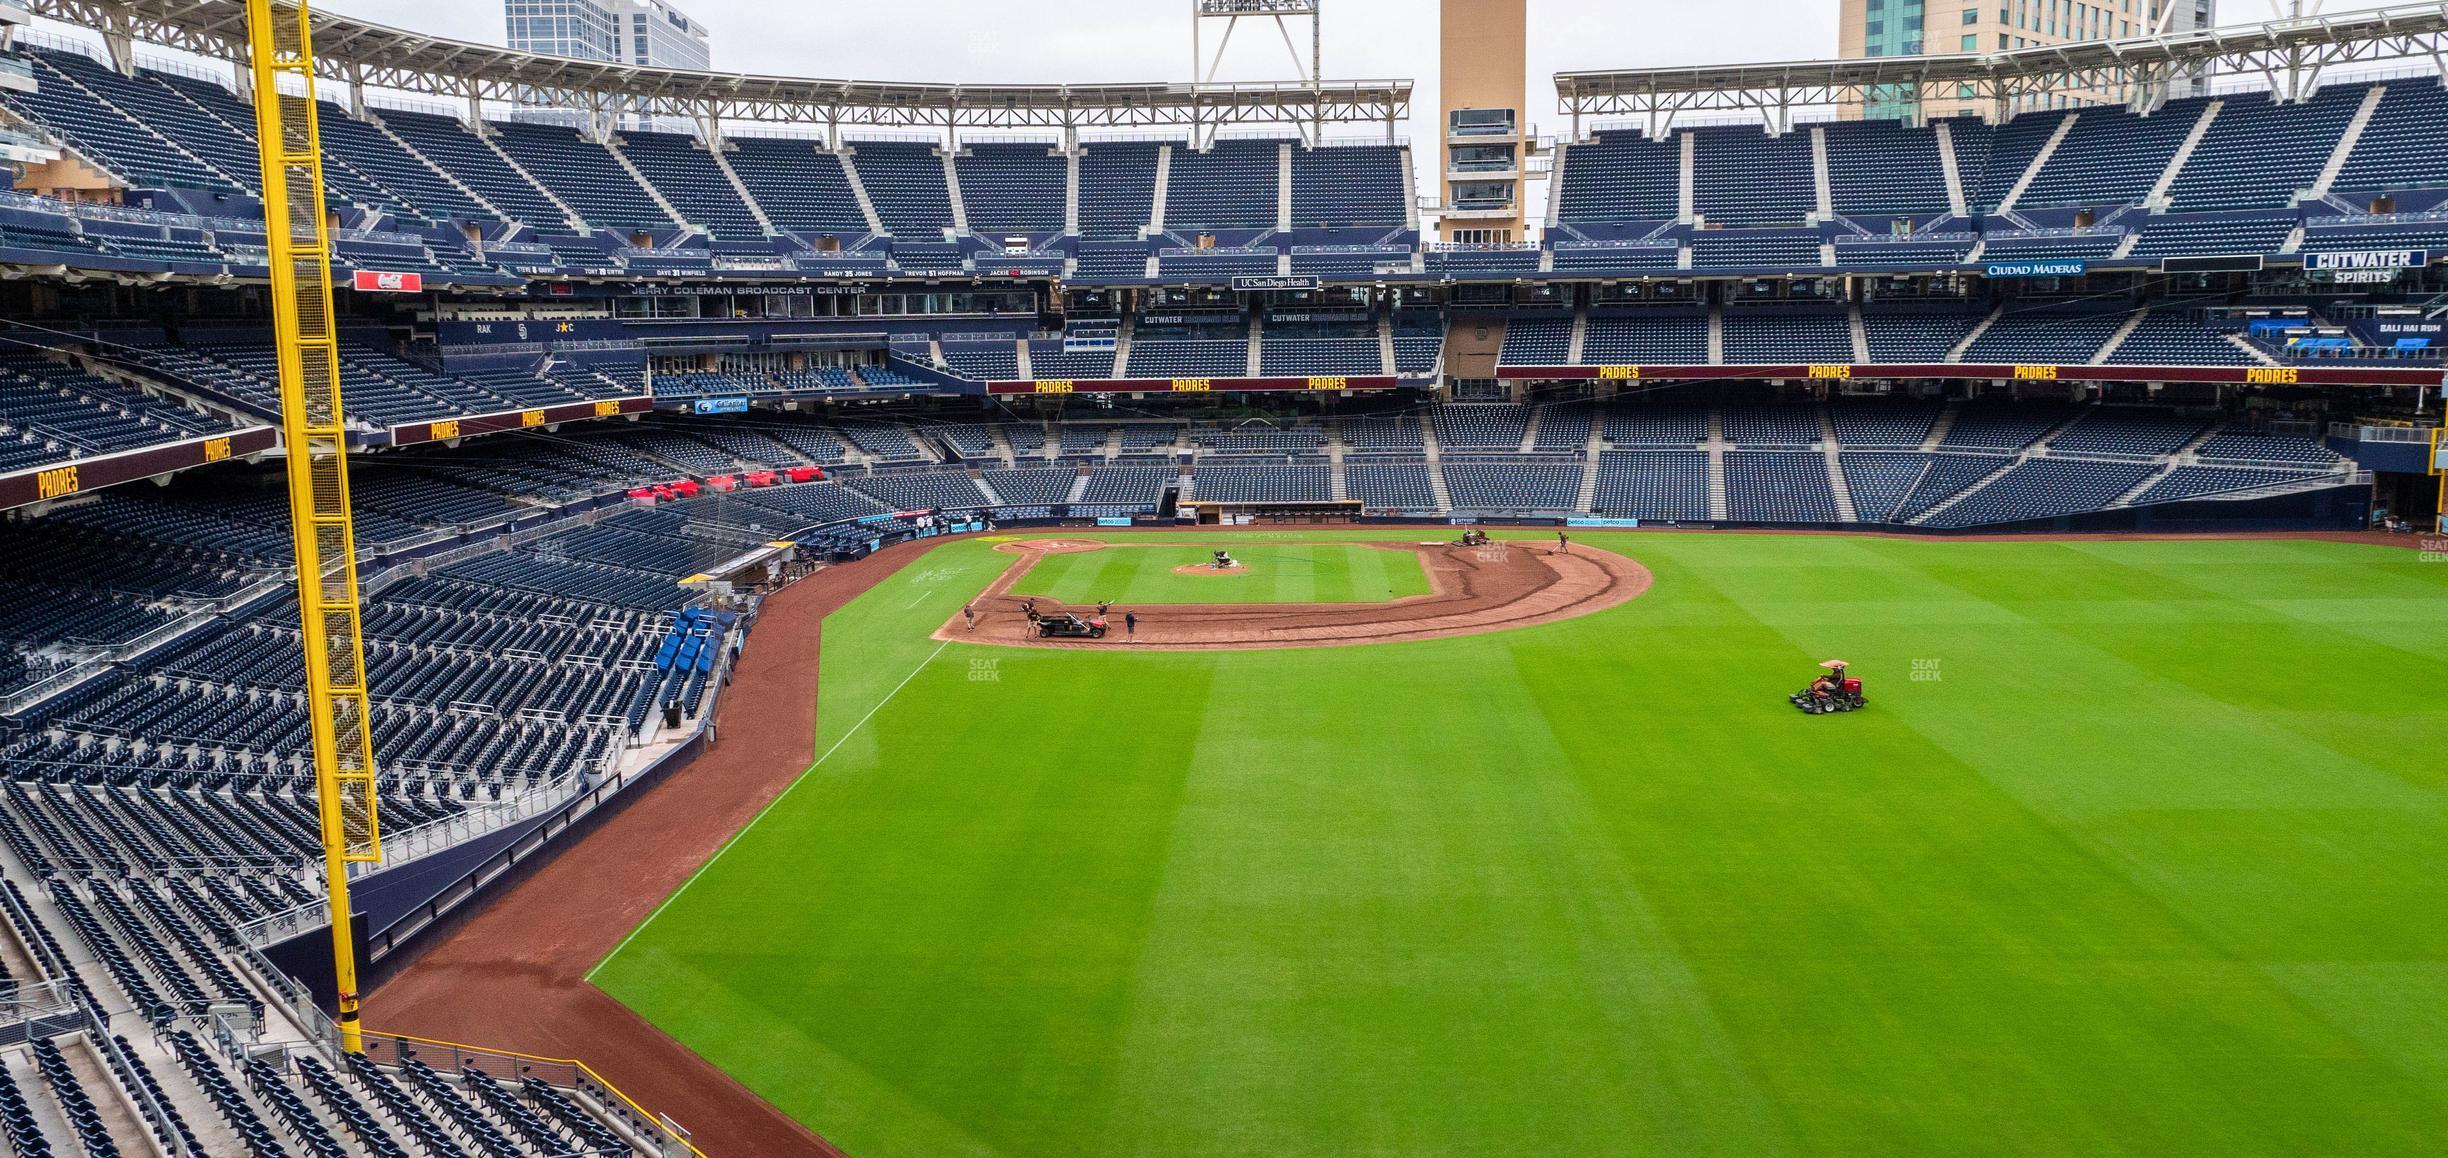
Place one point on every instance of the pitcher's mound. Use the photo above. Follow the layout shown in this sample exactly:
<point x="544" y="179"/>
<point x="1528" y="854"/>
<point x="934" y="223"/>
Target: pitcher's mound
<point x="1211" y="569"/>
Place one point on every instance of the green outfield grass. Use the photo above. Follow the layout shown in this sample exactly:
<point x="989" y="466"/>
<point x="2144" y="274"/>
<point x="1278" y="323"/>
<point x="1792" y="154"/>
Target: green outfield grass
<point x="1278" y="573"/>
<point x="2138" y="851"/>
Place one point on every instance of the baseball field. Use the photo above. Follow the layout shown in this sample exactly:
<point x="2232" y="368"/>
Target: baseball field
<point x="2137" y="850"/>
<point x="1267" y="573"/>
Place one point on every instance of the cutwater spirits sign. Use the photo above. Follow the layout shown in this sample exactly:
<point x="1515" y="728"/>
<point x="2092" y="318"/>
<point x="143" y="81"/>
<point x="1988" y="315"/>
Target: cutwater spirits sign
<point x="2369" y="259"/>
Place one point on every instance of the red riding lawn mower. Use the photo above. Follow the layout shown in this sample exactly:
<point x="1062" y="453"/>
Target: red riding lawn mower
<point x="1833" y="692"/>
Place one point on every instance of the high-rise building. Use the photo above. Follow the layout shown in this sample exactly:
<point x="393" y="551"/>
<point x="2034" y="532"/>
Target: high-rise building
<point x="1486" y="144"/>
<point x="647" y="33"/>
<point x="1940" y="27"/>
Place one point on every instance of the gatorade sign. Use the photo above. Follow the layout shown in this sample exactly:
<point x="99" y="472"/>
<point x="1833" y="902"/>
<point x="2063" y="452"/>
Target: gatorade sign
<point x="377" y="282"/>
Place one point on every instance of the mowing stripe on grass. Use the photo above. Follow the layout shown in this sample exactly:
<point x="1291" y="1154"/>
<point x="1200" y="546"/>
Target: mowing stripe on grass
<point x="2128" y="856"/>
<point x="770" y="805"/>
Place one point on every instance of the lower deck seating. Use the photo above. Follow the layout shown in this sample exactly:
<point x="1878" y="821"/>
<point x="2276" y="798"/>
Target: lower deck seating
<point x="1033" y="488"/>
<point x="1653" y="486"/>
<point x="1524" y="485"/>
<point x="2063" y="335"/>
<point x="1661" y="337"/>
<point x="1777" y="487"/>
<point x="920" y="492"/>
<point x="1397" y="486"/>
<point x="1482" y="427"/>
<point x="1904" y="335"/>
<point x="1131" y="486"/>
<point x="2191" y="482"/>
<point x="2044" y="488"/>
<point x="1293" y="483"/>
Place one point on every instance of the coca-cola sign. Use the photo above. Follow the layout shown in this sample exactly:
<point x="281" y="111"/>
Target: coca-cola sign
<point x="370" y="281"/>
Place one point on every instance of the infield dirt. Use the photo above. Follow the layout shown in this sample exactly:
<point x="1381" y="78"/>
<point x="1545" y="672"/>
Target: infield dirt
<point x="1472" y="590"/>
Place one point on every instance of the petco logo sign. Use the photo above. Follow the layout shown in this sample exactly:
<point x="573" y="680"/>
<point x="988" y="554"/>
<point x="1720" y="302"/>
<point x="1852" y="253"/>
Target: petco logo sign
<point x="376" y="282"/>
<point x="2369" y="259"/>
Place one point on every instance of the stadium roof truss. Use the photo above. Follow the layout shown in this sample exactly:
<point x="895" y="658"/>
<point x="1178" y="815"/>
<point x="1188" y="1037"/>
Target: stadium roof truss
<point x="2292" y="54"/>
<point x="363" y="55"/>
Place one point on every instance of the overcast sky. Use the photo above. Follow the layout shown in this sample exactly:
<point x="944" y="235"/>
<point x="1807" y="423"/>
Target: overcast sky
<point x="997" y="41"/>
<point x="977" y="41"/>
<point x="1139" y="40"/>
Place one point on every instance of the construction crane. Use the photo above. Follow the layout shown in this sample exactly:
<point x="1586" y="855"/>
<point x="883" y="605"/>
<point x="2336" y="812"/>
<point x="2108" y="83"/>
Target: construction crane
<point x="314" y="434"/>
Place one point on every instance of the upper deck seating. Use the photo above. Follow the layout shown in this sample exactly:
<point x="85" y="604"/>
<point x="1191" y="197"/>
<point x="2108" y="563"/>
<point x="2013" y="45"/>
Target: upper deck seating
<point x="1743" y="177"/>
<point x="1235" y="184"/>
<point x="1348" y="186"/>
<point x="905" y="182"/>
<point x="583" y="174"/>
<point x="799" y="184"/>
<point x="1013" y="187"/>
<point x="473" y="163"/>
<point x="1884" y="169"/>
<point x="686" y="175"/>
<point x="2258" y="154"/>
<point x="1117" y="187"/>
<point x="1621" y="176"/>
<point x="2400" y="148"/>
<point x="2112" y="157"/>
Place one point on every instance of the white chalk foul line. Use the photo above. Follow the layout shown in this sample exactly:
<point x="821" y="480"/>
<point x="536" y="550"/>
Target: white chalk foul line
<point x="776" y="802"/>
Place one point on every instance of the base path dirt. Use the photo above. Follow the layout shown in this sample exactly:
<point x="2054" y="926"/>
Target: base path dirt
<point x="1472" y="590"/>
<point x="513" y="976"/>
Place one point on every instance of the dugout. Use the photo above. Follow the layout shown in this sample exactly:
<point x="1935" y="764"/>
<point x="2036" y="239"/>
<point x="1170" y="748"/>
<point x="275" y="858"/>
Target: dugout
<point x="1202" y="513"/>
<point x="762" y="568"/>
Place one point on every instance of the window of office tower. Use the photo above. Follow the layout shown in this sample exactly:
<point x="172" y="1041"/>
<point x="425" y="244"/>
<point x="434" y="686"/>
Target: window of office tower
<point x="562" y="28"/>
<point x="1892" y="27"/>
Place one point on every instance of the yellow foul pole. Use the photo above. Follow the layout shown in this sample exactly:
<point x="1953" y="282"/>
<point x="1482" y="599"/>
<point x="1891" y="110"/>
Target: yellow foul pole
<point x="314" y="437"/>
<point x="2439" y="466"/>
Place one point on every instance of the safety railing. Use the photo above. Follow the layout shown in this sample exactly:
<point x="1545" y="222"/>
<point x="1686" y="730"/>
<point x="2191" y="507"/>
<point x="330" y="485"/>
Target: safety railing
<point x="409" y="845"/>
<point x="19" y="701"/>
<point x="1907" y="239"/>
<point x="2415" y="434"/>
<point x="659" y="1131"/>
<point x="1587" y="246"/>
<point x="97" y="211"/>
<point x="39" y="1009"/>
<point x="2309" y="468"/>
